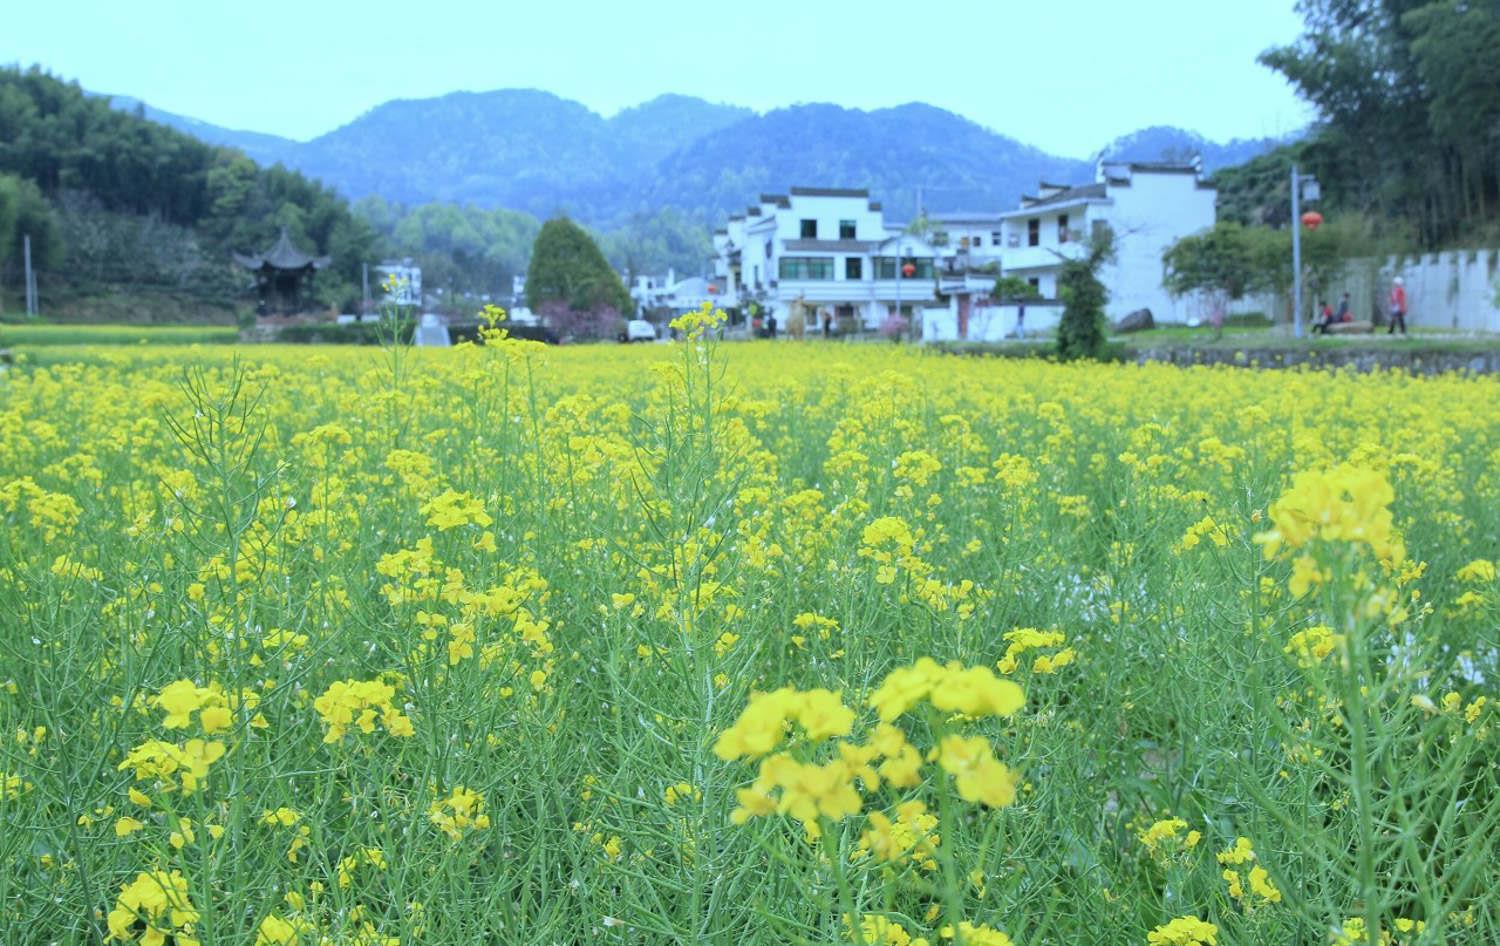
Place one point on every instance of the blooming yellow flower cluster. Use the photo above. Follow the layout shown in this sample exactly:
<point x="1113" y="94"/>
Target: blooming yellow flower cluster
<point x="154" y="909"/>
<point x="1168" y="837"/>
<point x="1343" y="504"/>
<point x="1240" y="871"/>
<point x="1184" y="931"/>
<point x="460" y="812"/>
<point x="360" y="703"/>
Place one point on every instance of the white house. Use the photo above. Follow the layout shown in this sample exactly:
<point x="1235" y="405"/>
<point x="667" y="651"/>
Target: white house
<point x="1148" y="206"/>
<point x="655" y="294"/>
<point x="401" y="281"/>
<point x="828" y="249"/>
<point x="832" y="250"/>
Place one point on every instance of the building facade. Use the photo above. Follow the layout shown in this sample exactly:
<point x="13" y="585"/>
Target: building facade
<point x="1148" y="207"/>
<point x="823" y="252"/>
<point x="400" y="282"/>
<point x="830" y="251"/>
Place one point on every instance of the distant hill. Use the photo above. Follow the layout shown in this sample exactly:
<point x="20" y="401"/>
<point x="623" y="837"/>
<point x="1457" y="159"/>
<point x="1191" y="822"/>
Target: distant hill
<point x="263" y="149"/>
<point x="957" y="164"/>
<point x="532" y="151"/>
<point x="1163" y="142"/>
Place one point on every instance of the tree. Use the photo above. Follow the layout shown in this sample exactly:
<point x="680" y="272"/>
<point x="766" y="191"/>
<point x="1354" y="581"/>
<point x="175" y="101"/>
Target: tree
<point x="1221" y="262"/>
<point x="1081" y="332"/>
<point x="24" y="212"/>
<point x="1013" y="288"/>
<point x="569" y="277"/>
<point x="1409" y="122"/>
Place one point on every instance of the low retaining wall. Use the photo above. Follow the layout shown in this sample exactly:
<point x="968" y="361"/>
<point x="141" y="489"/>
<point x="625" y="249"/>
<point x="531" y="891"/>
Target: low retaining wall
<point x="1358" y="359"/>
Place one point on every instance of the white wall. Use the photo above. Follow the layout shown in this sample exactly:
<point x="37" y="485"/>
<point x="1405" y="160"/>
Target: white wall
<point x="990" y="323"/>
<point x="1457" y="290"/>
<point x="1154" y="212"/>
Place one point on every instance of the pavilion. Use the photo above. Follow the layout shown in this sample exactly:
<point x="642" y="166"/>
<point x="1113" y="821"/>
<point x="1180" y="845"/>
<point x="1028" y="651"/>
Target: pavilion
<point x="283" y="275"/>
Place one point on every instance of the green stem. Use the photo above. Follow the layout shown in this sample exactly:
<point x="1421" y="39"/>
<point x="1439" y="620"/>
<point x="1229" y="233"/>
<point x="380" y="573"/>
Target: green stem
<point x="833" y="851"/>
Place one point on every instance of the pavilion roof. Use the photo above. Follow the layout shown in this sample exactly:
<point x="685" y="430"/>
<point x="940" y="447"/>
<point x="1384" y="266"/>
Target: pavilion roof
<point x="282" y="255"/>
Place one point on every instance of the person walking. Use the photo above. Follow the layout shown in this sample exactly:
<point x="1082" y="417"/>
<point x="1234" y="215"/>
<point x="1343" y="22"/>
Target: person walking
<point x="1398" y="306"/>
<point x="1021" y="318"/>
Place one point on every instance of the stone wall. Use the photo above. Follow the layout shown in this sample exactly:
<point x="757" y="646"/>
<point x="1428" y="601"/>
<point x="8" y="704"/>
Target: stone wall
<point x="1358" y="359"/>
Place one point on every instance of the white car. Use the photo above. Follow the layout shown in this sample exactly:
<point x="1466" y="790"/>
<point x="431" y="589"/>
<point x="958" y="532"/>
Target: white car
<point x="639" y="330"/>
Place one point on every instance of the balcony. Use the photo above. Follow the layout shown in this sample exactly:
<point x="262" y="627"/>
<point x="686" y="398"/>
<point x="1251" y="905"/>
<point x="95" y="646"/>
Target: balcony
<point x="1045" y="256"/>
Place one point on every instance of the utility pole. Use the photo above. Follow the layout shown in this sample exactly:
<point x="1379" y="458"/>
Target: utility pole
<point x="898" y="277"/>
<point x="364" y="278"/>
<point x="1296" y="254"/>
<point x="30" y="277"/>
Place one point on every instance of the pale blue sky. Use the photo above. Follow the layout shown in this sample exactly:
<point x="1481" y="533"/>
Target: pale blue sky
<point x="1065" y="75"/>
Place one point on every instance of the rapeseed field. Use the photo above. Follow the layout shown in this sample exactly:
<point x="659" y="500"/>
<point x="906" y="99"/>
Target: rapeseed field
<point x="758" y="643"/>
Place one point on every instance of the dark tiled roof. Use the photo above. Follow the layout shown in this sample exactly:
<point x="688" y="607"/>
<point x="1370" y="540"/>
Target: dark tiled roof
<point x="282" y="255"/>
<point x="779" y="200"/>
<point x="1071" y="194"/>
<point x="830" y="192"/>
<point x="1163" y="167"/>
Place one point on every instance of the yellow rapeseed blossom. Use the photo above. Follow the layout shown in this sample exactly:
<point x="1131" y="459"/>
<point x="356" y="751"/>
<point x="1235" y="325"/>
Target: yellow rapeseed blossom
<point x="1184" y="931"/>
<point x="152" y="908"/>
<point x="460" y="812"/>
<point x="362" y="704"/>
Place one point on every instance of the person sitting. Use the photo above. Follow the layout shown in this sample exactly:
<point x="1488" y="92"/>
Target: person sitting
<point x="1345" y="315"/>
<point x="1325" y="318"/>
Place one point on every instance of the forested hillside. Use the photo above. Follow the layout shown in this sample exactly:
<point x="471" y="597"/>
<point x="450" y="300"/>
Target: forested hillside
<point x="128" y="204"/>
<point x="1408" y="98"/>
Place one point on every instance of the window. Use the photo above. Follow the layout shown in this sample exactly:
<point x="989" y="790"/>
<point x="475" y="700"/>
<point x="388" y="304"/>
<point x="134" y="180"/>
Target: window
<point x="755" y="275"/>
<point x="854" y="267"/>
<point x="1034" y="232"/>
<point x="846" y="229"/>
<point x="806" y="267"/>
<point x="978" y="240"/>
<point x="809" y="229"/>
<point x="885" y="267"/>
<point x="994" y="238"/>
<point x="1062" y="228"/>
<point x="1036" y="284"/>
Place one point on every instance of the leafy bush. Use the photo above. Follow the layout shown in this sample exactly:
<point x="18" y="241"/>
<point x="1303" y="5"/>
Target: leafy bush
<point x="1082" y="331"/>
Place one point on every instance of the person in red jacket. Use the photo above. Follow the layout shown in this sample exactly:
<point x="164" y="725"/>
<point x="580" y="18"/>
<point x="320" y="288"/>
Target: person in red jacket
<point x="1398" y="306"/>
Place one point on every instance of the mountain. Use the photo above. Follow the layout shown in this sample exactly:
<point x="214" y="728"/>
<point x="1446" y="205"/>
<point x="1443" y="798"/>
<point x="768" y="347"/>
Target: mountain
<point x="262" y="148"/>
<point x="655" y="129"/>
<point x="957" y="164"/>
<point x="1165" y="143"/>
<point x="532" y="151"/>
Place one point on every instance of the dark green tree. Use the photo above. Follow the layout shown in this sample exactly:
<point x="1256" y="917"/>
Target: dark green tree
<point x="24" y="212"/>
<point x="567" y="270"/>
<point x="1408" y="125"/>
<point x="1081" y="332"/>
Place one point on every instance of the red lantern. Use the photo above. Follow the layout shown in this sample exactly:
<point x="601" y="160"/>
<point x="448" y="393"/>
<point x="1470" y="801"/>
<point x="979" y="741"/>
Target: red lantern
<point x="908" y="270"/>
<point x="1312" y="220"/>
<point x="713" y="290"/>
